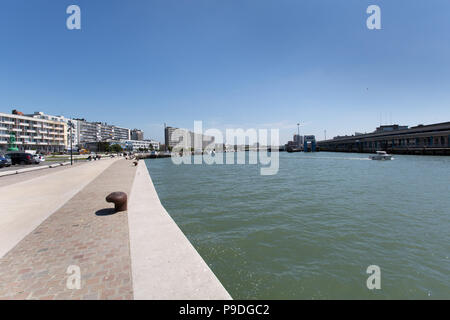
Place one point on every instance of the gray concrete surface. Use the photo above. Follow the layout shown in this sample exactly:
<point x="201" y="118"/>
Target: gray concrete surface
<point x="16" y="178"/>
<point x="23" y="166"/>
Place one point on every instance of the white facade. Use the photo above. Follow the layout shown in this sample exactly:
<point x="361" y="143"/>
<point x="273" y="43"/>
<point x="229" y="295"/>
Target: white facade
<point x="75" y="133"/>
<point x="135" y="145"/>
<point x="97" y="131"/>
<point x="40" y="134"/>
<point x="82" y="131"/>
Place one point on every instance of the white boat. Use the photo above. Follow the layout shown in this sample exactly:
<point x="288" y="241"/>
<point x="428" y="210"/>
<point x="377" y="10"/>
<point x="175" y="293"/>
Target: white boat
<point x="381" y="155"/>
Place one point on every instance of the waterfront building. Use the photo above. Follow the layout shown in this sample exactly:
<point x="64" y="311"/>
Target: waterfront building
<point x="296" y="143"/>
<point x="169" y="138"/>
<point x="40" y="133"/>
<point x="120" y="133"/>
<point x="172" y="139"/>
<point x="83" y="133"/>
<point x="421" y="139"/>
<point x="113" y="132"/>
<point x="137" y="145"/>
<point x="298" y="139"/>
<point x="106" y="131"/>
<point x="71" y="134"/>
<point x="137" y="134"/>
<point x="89" y="132"/>
<point x="388" y="128"/>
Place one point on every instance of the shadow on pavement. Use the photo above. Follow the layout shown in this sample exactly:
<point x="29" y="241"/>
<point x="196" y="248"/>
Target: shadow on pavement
<point x="105" y="212"/>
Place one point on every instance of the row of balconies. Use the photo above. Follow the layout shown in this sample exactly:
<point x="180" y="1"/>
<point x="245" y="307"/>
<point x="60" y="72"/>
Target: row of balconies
<point x="25" y="136"/>
<point x="33" y="131"/>
<point x="39" y="125"/>
<point x="34" y="143"/>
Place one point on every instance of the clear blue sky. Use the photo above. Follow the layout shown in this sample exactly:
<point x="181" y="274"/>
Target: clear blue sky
<point x="230" y="63"/>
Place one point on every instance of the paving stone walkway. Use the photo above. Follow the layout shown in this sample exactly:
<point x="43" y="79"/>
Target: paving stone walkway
<point x="82" y="233"/>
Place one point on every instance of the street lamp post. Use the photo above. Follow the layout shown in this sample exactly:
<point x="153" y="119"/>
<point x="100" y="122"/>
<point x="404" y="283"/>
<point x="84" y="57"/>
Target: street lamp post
<point x="298" y="134"/>
<point x="70" y="137"/>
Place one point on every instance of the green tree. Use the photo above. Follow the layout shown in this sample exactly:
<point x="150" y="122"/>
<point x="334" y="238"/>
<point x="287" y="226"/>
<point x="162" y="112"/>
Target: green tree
<point x="116" y="148"/>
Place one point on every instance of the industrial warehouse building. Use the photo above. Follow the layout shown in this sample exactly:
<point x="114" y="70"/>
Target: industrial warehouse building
<point x="433" y="139"/>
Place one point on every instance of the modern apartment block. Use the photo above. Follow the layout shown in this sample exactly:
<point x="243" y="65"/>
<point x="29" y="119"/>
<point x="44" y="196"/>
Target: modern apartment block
<point x="48" y="133"/>
<point x="169" y="138"/>
<point x="87" y="131"/>
<point x="137" y="134"/>
<point x="98" y="131"/>
<point x="121" y="133"/>
<point x="135" y="145"/>
<point x="33" y="133"/>
<point x="71" y="134"/>
<point x="174" y="136"/>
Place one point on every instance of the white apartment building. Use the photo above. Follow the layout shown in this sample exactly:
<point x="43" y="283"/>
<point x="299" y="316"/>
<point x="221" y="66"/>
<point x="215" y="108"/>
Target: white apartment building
<point x="71" y="134"/>
<point x="96" y="131"/>
<point x="135" y="145"/>
<point x="42" y="135"/>
<point x="173" y="136"/>
<point x="82" y="132"/>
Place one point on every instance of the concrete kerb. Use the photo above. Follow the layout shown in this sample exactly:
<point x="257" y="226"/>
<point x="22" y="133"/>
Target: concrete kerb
<point x="11" y="172"/>
<point x="55" y="165"/>
<point x="164" y="263"/>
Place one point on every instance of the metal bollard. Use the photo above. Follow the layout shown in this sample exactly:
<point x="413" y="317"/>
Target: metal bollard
<point x="119" y="199"/>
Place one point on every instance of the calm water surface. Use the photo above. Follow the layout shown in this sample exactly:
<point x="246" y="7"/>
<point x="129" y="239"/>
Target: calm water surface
<point x="311" y="231"/>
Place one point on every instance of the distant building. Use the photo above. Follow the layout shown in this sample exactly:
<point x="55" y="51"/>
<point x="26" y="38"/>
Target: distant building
<point x="296" y="143"/>
<point x="169" y="139"/>
<point x="422" y="139"/>
<point x="137" y="145"/>
<point x="137" y="134"/>
<point x="121" y="133"/>
<point x="173" y="137"/>
<point x="87" y="132"/>
<point x="98" y="131"/>
<point x="298" y="140"/>
<point x="392" y="127"/>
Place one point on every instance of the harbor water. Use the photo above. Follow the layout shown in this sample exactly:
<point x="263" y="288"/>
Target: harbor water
<point x="312" y="230"/>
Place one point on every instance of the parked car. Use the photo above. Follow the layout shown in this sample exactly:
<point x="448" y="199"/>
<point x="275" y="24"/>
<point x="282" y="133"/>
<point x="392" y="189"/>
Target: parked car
<point x="21" y="158"/>
<point x="5" y="160"/>
<point x="38" y="158"/>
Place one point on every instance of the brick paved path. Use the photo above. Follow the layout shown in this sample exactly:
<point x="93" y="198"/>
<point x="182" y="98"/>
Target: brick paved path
<point x="75" y="235"/>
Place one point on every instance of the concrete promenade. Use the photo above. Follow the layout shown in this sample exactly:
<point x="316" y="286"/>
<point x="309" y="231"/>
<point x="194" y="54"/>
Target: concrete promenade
<point x="82" y="233"/>
<point x="61" y="219"/>
<point x="28" y="203"/>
